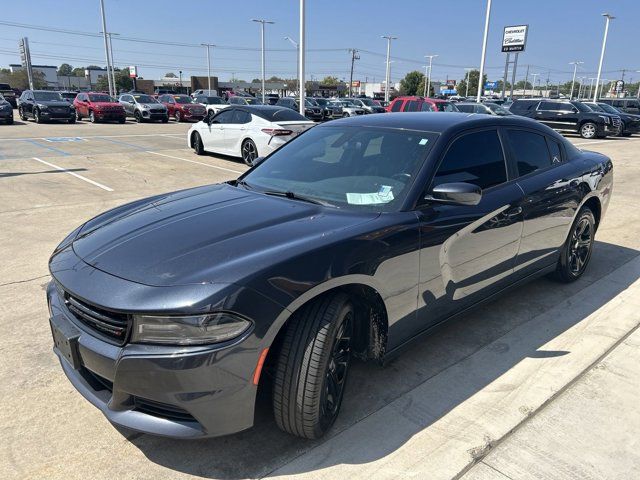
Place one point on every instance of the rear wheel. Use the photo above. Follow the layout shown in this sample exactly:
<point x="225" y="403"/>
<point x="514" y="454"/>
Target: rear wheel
<point x="588" y="130"/>
<point x="576" y="251"/>
<point x="249" y="151"/>
<point x="198" y="146"/>
<point x="312" y="367"/>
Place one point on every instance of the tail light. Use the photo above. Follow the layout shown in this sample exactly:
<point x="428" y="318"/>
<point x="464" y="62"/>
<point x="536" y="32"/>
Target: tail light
<point x="277" y="132"/>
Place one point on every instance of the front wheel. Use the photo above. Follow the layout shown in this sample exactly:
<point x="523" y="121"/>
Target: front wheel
<point x="165" y="119"/>
<point x="92" y="117"/>
<point x="37" y="117"/>
<point x="312" y="366"/>
<point x="138" y="116"/>
<point x="621" y="129"/>
<point x="78" y="116"/>
<point x="588" y="130"/>
<point x="22" y="115"/>
<point x="576" y="251"/>
<point x="249" y="152"/>
<point x="178" y="116"/>
<point x="72" y="120"/>
<point x="198" y="146"/>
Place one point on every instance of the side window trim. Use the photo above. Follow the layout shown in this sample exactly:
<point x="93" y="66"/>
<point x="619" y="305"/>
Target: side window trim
<point x="514" y="161"/>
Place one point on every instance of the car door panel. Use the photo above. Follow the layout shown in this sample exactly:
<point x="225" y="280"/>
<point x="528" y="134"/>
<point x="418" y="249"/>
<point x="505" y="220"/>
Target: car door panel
<point x="213" y="135"/>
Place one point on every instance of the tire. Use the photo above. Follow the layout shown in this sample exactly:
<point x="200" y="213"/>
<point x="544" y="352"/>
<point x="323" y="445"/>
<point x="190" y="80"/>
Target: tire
<point x="198" y="146"/>
<point x="22" y="115"/>
<point x="621" y="130"/>
<point x="92" y="117"/>
<point x="177" y="116"/>
<point x="588" y="130"/>
<point x="122" y="120"/>
<point x="10" y="121"/>
<point x="165" y="119"/>
<point x="138" y="116"/>
<point x="576" y="251"/>
<point x="78" y="116"/>
<point x="249" y="151"/>
<point x="312" y="366"/>
<point x="72" y="120"/>
<point x="37" y="117"/>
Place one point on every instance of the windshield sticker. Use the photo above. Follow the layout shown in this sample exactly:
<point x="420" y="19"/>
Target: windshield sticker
<point x="370" y="198"/>
<point x="424" y="141"/>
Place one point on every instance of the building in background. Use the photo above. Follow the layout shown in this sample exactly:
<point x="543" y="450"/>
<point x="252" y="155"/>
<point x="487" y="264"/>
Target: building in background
<point x="50" y="72"/>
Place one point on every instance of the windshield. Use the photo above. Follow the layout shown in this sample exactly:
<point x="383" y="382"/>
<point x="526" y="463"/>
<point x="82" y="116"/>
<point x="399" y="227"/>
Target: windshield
<point x="183" y="99"/>
<point x="145" y="99"/>
<point x="446" y="107"/>
<point x="607" y="108"/>
<point x="360" y="168"/>
<point x="213" y="100"/>
<point x="310" y="103"/>
<point x="47" y="96"/>
<point x="498" y="109"/>
<point x="368" y="102"/>
<point x="347" y="103"/>
<point x="595" y="107"/>
<point x="253" y="101"/>
<point x="581" y="106"/>
<point x="321" y="101"/>
<point x="101" y="98"/>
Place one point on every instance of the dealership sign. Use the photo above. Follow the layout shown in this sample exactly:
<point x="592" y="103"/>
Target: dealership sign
<point x="133" y="71"/>
<point x="514" y="38"/>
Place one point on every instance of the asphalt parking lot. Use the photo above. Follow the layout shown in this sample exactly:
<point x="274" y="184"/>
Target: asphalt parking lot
<point x="465" y="401"/>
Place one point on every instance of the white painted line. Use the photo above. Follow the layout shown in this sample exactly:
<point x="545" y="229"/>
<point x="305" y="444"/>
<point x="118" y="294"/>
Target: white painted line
<point x="198" y="163"/>
<point x="87" y="137"/>
<point x="99" y="185"/>
<point x="622" y="142"/>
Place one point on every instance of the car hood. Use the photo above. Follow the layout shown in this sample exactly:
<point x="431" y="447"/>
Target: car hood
<point x="53" y="103"/>
<point x="106" y="104"/>
<point x="217" y="233"/>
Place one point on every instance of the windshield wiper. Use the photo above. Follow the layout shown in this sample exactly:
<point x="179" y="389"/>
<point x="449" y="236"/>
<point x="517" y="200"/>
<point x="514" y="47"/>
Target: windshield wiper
<point x="295" y="196"/>
<point x="243" y="183"/>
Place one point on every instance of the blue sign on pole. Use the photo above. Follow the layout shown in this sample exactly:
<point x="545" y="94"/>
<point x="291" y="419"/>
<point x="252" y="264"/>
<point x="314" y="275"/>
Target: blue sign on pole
<point x="490" y="85"/>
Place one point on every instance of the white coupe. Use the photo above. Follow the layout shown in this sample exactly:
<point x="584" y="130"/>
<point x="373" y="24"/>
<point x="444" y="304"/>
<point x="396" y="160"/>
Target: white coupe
<point x="246" y="131"/>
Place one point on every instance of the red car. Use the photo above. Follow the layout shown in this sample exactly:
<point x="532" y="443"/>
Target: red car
<point x="181" y="107"/>
<point x="98" y="107"/>
<point x="420" y="104"/>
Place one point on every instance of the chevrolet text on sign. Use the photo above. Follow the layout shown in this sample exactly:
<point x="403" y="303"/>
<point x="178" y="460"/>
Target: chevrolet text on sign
<point x="514" y="38"/>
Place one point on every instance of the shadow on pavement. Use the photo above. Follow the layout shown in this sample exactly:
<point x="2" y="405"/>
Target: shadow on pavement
<point x="264" y="448"/>
<point x="18" y="174"/>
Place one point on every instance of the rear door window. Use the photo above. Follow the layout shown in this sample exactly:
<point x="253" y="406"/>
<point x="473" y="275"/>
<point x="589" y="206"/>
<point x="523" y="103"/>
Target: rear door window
<point x="241" y="117"/>
<point x="397" y="105"/>
<point x="530" y="151"/>
<point x="475" y="158"/>
<point x="411" y="106"/>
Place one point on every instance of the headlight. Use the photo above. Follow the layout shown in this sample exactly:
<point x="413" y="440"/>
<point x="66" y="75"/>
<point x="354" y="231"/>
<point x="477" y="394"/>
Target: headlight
<point x="188" y="329"/>
<point x="42" y="106"/>
<point x="145" y="106"/>
<point x="606" y="119"/>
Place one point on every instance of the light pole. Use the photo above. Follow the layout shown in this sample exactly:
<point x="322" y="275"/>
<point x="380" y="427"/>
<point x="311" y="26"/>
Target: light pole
<point x="484" y="51"/>
<point x="580" y="87"/>
<point x="262" y="23"/>
<point x="591" y="79"/>
<point x="466" y="77"/>
<point x="573" y="80"/>
<point x="106" y="46"/>
<point x="113" y="63"/>
<point x="354" y="56"/>
<point x="428" y="85"/>
<point x="604" y="45"/>
<point x="638" y="94"/>
<point x="208" y="46"/>
<point x="303" y="89"/>
<point x="386" y="86"/>
<point x="295" y="44"/>
<point x="534" y="75"/>
<point x="604" y="80"/>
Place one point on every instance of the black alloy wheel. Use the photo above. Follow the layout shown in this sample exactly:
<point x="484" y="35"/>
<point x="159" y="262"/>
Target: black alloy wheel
<point x="249" y="152"/>
<point x="576" y="252"/>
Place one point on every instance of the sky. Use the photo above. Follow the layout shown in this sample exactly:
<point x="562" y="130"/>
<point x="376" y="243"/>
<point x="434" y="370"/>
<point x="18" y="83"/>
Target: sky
<point x="560" y="31"/>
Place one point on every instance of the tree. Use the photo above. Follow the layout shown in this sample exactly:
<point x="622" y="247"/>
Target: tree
<point x="473" y="83"/>
<point x="170" y="75"/>
<point x="20" y="79"/>
<point x="420" y="90"/>
<point x="329" y="80"/>
<point x="499" y="86"/>
<point x="410" y="83"/>
<point x="78" y="72"/>
<point x="65" y="70"/>
<point x="521" y="85"/>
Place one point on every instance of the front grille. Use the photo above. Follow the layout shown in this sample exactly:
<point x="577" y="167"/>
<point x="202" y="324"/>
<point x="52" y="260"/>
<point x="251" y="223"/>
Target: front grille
<point x="110" y="324"/>
<point x="156" y="110"/>
<point x="162" y="410"/>
<point x="359" y="112"/>
<point x="615" y="121"/>
<point x="59" y="110"/>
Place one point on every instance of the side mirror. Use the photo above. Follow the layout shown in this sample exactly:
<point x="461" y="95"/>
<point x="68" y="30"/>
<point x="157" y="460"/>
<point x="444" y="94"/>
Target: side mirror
<point x="257" y="161"/>
<point x="457" y="193"/>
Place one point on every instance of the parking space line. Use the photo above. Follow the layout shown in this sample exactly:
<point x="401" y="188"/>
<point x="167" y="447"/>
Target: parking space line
<point x="604" y="141"/>
<point x="99" y="185"/>
<point x="56" y="150"/>
<point x="196" y="162"/>
<point x="111" y="140"/>
<point x="87" y="137"/>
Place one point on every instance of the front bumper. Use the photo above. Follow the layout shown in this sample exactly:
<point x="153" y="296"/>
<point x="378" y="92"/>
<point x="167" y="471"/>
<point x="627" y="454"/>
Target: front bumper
<point x="147" y="115"/>
<point x="51" y="115"/>
<point x="172" y="391"/>
<point x="6" y="114"/>
<point x="105" y="116"/>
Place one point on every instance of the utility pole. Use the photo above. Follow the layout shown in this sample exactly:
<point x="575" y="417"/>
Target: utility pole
<point x="638" y="93"/>
<point x="208" y="46"/>
<point x="534" y="75"/>
<point x="262" y="22"/>
<point x="604" y="46"/>
<point x="466" y="81"/>
<point x="386" y="86"/>
<point x="428" y="85"/>
<point x="303" y="90"/>
<point x="573" y="80"/>
<point x="106" y="46"/>
<point x="526" y="81"/>
<point x="484" y="51"/>
<point x="295" y="44"/>
<point x="354" y="56"/>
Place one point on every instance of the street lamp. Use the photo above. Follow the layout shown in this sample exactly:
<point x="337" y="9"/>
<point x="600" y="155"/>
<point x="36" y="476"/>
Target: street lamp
<point x="484" y="51"/>
<point x="106" y="46"/>
<point x="262" y="23"/>
<point x="604" y="45"/>
<point x="208" y="46"/>
<point x="466" y="79"/>
<point x="427" y="86"/>
<point x="534" y="75"/>
<point x="297" y="47"/>
<point x="301" y="62"/>
<point x="580" y="87"/>
<point x="638" y="94"/>
<point x="386" y="86"/>
<point x="573" y="80"/>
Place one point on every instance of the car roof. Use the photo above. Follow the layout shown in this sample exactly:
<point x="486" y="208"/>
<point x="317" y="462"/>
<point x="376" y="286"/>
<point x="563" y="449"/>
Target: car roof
<point x="438" y="122"/>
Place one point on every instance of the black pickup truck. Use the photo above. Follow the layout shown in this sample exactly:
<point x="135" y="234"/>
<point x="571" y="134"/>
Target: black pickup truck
<point x="8" y="94"/>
